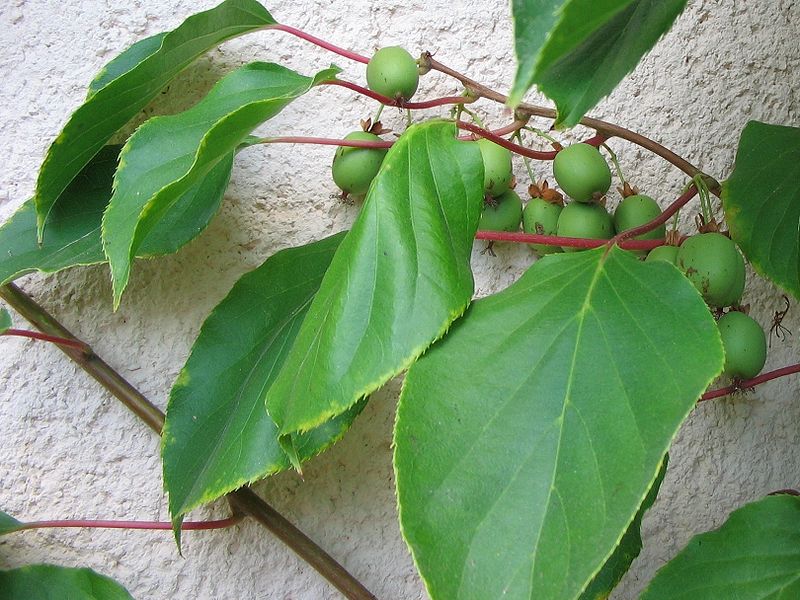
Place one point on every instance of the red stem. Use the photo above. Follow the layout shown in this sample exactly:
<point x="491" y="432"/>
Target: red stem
<point x="100" y="524"/>
<point x="400" y="103"/>
<point x="749" y="383"/>
<point x="555" y="240"/>
<point x="46" y="338"/>
<point x="365" y="143"/>
<point x="522" y="150"/>
<point x="318" y="42"/>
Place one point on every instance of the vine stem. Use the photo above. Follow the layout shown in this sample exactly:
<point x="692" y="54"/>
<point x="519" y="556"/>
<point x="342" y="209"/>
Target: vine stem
<point x="35" y="335"/>
<point x="494" y="133"/>
<point x="602" y="127"/>
<point x="479" y="90"/>
<point x="151" y="525"/>
<point x="243" y="499"/>
<point x="447" y="100"/>
<point x="516" y="148"/>
<point x="319" y="42"/>
<point x="750" y="383"/>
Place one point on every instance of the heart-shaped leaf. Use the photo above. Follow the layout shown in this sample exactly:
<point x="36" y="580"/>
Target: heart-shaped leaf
<point x="217" y="436"/>
<point x="125" y="92"/>
<point x="577" y="51"/>
<point x="43" y="582"/>
<point x="398" y="280"/>
<point x="762" y="202"/>
<point x="528" y="438"/>
<point x="168" y="156"/>
<point x="755" y="555"/>
<point x="73" y="225"/>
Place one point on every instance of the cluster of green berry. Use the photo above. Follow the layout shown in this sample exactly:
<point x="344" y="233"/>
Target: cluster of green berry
<point x="710" y="260"/>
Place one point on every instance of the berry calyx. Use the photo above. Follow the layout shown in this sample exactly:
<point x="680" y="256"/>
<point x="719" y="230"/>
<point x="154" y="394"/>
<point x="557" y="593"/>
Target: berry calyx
<point x="582" y="172"/>
<point x="354" y="168"/>
<point x="393" y="72"/>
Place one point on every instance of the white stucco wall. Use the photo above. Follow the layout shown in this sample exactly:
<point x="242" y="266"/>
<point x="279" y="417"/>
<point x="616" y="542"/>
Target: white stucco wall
<point x="67" y="449"/>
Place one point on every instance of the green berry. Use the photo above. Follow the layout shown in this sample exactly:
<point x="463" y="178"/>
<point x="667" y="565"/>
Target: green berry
<point x="745" y="345"/>
<point x="638" y="210"/>
<point x="354" y="168"/>
<point x="582" y="172"/>
<point x="581" y="220"/>
<point x="393" y="72"/>
<point x="497" y="171"/>
<point x="541" y="217"/>
<point x="502" y="213"/>
<point x="711" y="262"/>
<point x="666" y="253"/>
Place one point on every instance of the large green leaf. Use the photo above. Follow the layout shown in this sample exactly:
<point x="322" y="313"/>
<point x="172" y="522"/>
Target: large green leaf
<point x="5" y="323"/>
<point x="128" y="84"/>
<point x="167" y="156"/>
<point x="50" y="582"/>
<point x="628" y="549"/>
<point x="398" y="280"/>
<point x="217" y="435"/>
<point x="9" y="524"/>
<point x="528" y="438"/>
<point x="73" y="225"/>
<point x="755" y="555"/>
<point x="762" y="202"/>
<point x="591" y="45"/>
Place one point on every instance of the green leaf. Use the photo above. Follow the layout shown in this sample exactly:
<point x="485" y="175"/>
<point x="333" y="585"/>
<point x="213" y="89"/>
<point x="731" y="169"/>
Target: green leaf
<point x="628" y="549"/>
<point x="8" y="524"/>
<point x="124" y="93"/>
<point x="527" y="439"/>
<point x="167" y="156"/>
<point x="50" y="582"/>
<point x="5" y="325"/>
<point x="74" y="223"/>
<point x="398" y="280"/>
<point x="126" y="61"/>
<point x="217" y="435"/>
<point x="762" y="202"/>
<point x="590" y="47"/>
<point x="755" y="555"/>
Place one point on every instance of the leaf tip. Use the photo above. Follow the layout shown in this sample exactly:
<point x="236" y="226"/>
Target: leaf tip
<point x="287" y="445"/>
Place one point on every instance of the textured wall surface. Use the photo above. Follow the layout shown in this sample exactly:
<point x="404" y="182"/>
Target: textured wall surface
<point x="67" y="449"/>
